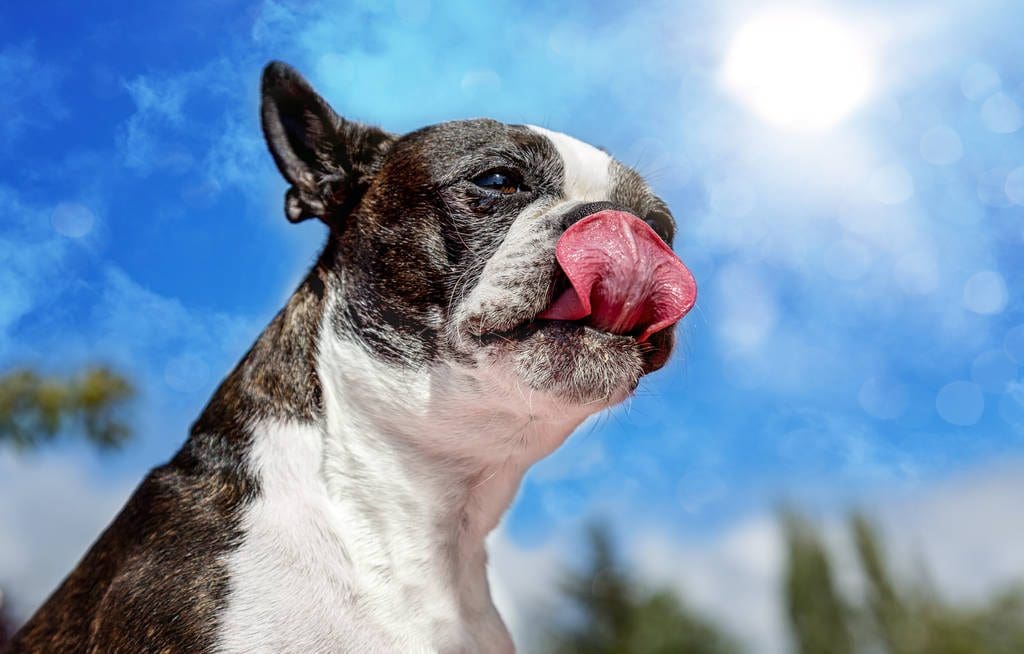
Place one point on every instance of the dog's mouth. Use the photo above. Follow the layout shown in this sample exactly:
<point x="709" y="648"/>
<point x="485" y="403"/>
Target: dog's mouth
<point x="618" y="284"/>
<point x="654" y="351"/>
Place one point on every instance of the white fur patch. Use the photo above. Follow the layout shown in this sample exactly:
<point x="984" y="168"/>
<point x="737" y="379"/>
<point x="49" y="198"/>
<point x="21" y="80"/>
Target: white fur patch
<point x="529" y="240"/>
<point x="587" y="169"/>
<point x="368" y="534"/>
<point x="291" y="581"/>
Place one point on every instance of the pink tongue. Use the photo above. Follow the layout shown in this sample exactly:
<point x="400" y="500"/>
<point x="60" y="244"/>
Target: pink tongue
<point x="623" y="276"/>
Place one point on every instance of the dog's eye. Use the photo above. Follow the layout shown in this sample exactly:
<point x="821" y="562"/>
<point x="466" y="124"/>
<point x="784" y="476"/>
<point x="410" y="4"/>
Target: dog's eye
<point x="662" y="224"/>
<point x="500" y="181"/>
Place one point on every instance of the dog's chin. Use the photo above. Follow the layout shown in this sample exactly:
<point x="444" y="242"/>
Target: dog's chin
<point x="577" y="363"/>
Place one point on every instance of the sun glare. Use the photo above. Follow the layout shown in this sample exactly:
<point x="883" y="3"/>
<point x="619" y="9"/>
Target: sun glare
<point x="798" y="70"/>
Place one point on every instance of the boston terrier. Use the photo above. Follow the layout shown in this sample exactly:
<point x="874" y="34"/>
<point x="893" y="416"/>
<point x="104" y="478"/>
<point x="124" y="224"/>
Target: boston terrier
<point x="484" y="288"/>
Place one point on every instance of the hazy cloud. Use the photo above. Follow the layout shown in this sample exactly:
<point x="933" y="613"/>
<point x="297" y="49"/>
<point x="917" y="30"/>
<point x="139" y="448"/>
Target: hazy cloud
<point x="31" y="98"/>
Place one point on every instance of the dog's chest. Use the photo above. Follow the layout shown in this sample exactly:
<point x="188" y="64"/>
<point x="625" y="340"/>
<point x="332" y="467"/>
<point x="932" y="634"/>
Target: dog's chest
<point x="310" y="577"/>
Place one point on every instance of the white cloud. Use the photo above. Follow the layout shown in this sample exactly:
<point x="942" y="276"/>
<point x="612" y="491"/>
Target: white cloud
<point x="172" y="122"/>
<point x="965" y="530"/>
<point x="173" y="352"/>
<point x="133" y="324"/>
<point x="30" y="98"/>
<point x="524" y="586"/>
<point x="34" y="260"/>
<point x="158" y="105"/>
<point x="733" y="578"/>
<point x="50" y="512"/>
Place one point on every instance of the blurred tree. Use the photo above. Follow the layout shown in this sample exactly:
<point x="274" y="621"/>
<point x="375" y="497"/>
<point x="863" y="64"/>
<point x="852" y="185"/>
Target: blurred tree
<point x="818" y="618"/>
<point x="6" y="624"/>
<point x="35" y="409"/>
<point x="891" y="619"/>
<point x="617" y="618"/>
<point x="917" y="620"/>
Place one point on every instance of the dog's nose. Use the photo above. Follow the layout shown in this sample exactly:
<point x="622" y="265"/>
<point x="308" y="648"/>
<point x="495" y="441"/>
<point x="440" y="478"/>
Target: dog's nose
<point x="660" y="221"/>
<point x="581" y="211"/>
<point x="624" y="278"/>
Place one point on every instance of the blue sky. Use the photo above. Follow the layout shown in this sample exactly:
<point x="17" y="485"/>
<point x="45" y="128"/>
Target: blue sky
<point x="860" y="326"/>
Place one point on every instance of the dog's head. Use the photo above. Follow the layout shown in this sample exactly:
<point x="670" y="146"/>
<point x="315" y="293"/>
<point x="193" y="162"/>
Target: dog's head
<point x="489" y="246"/>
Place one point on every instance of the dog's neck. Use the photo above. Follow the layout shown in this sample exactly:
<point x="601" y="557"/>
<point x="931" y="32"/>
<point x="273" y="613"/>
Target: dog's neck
<point x="405" y="467"/>
<point x="433" y="453"/>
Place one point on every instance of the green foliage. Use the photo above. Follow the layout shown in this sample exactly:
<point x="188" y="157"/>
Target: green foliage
<point x="35" y="409"/>
<point x="889" y="622"/>
<point x="616" y="617"/>
<point x="917" y="620"/>
<point x="890" y="618"/>
<point x="6" y="624"/>
<point x="818" y="618"/>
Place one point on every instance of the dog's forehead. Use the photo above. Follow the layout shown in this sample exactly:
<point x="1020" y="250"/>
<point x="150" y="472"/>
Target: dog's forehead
<point x="587" y="170"/>
<point x="453" y="150"/>
<point x="448" y="141"/>
<point x="591" y="174"/>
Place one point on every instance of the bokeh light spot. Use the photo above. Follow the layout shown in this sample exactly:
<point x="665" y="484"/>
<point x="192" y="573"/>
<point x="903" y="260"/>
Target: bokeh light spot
<point x="960" y="403"/>
<point x="1011" y="406"/>
<point x="993" y="371"/>
<point x="985" y="293"/>
<point x="991" y="188"/>
<point x="72" y="219"/>
<point x="1013" y="344"/>
<point x="1014" y="186"/>
<point x="1001" y="114"/>
<point x="979" y="81"/>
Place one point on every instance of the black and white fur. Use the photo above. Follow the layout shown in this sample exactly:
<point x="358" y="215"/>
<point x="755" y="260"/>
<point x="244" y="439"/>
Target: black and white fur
<point x="335" y="493"/>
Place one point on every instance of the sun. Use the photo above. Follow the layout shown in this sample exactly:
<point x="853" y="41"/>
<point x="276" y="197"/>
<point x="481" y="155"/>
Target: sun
<point x="798" y="69"/>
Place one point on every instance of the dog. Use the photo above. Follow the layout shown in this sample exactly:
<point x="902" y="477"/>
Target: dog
<point x="484" y="288"/>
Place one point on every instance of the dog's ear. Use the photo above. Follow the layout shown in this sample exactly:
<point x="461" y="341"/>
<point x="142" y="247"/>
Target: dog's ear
<point x="328" y="160"/>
